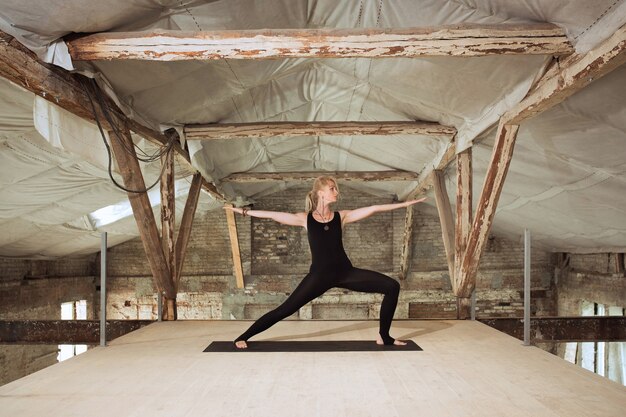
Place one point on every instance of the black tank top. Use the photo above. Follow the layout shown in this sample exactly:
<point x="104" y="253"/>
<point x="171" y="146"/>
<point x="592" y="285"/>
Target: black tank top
<point x="325" y="241"/>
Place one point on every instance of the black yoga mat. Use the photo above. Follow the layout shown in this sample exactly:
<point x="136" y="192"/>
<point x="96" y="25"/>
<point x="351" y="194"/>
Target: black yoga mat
<point x="312" y="346"/>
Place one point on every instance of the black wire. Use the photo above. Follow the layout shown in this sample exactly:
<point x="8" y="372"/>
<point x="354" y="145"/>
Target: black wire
<point x="148" y="158"/>
<point x="168" y="148"/>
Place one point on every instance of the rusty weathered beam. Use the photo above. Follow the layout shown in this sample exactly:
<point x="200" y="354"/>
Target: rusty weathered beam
<point x="68" y="91"/>
<point x="453" y="40"/>
<point x="124" y="151"/>
<point x="564" y="329"/>
<point x="64" y="89"/>
<point x="576" y="73"/>
<point x="407" y="243"/>
<point x="274" y="129"/>
<point x="346" y="176"/>
<point x="234" y="246"/>
<point x="486" y="208"/>
<point x="55" y="332"/>
<point x="446" y="219"/>
<point x="186" y="223"/>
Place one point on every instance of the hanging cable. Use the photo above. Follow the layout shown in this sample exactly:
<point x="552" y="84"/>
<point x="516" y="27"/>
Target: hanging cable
<point x="117" y="135"/>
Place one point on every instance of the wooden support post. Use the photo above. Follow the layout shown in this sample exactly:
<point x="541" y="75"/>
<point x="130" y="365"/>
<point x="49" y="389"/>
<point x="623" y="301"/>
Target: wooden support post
<point x="445" y="218"/>
<point x="463" y="221"/>
<point x="234" y="245"/>
<point x="407" y="243"/>
<point x="142" y="210"/>
<point x="486" y="208"/>
<point x="168" y="224"/>
<point x="184" y="230"/>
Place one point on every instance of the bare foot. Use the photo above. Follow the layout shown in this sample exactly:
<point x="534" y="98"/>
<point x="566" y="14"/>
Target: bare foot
<point x="379" y="341"/>
<point x="241" y="344"/>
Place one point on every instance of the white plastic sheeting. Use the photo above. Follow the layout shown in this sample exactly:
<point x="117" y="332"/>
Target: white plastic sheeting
<point x="567" y="175"/>
<point x="50" y="184"/>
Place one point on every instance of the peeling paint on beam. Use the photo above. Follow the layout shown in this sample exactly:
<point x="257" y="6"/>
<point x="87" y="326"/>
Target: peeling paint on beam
<point x="457" y="40"/>
<point x="274" y="129"/>
<point x="576" y="73"/>
<point x="64" y="331"/>
<point x="356" y="176"/>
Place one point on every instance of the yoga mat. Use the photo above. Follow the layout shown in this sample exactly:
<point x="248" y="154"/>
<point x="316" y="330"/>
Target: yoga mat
<point x="312" y="346"/>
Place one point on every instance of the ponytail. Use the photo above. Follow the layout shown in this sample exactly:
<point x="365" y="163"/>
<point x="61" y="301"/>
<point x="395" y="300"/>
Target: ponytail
<point x="308" y="202"/>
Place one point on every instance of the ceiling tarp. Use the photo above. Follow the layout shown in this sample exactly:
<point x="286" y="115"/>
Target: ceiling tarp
<point x="562" y="157"/>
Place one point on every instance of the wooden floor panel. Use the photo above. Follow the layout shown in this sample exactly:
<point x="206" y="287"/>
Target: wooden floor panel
<point x="466" y="369"/>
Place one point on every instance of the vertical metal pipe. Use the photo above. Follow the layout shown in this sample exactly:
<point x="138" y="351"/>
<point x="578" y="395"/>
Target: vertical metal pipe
<point x="103" y="289"/>
<point x="526" y="287"/>
<point x="159" y="306"/>
<point x="473" y="311"/>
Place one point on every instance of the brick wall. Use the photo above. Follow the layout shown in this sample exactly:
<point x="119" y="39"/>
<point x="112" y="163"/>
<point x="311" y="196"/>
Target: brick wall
<point x="275" y="257"/>
<point x="35" y="290"/>
<point x="590" y="277"/>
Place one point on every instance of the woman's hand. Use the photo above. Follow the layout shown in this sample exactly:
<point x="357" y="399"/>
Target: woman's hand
<point x="239" y="210"/>
<point x="411" y="202"/>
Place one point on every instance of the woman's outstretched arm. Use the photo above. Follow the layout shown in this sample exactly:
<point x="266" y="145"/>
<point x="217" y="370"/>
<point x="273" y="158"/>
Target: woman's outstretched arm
<point x="291" y="219"/>
<point x="351" y="216"/>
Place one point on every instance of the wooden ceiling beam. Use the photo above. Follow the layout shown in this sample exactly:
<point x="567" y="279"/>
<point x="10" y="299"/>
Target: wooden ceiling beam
<point x="70" y="92"/>
<point x="570" y="76"/>
<point x="346" y="176"/>
<point x="452" y="40"/>
<point x="274" y="129"/>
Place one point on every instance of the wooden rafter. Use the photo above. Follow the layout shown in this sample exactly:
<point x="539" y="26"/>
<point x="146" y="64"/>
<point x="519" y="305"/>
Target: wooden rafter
<point x="425" y="183"/>
<point x="142" y="210"/>
<point x="463" y="209"/>
<point x="574" y="74"/>
<point x="445" y="219"/>
<point x="68" y="91"/>
<point x="168" y="224"/>
<point x="347" y="176"/>
<point x="406" y="254"/>
<point x="234" y="246"/>
<point x="184" y="230"/>
<point x="273" y="129"/>
<point x="486" y="208"/>
<point x="168" y="211"/>
<point x="457" y="40"/>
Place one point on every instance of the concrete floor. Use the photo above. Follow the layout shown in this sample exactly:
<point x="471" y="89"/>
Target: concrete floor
<point x="466" y="369"/>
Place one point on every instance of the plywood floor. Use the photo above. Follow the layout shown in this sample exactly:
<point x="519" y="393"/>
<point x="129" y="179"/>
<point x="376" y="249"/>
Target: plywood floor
<point x="466" y="369"/>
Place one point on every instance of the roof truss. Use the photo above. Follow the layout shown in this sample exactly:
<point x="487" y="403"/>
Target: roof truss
<point x="273" y="129"/>
<point x="457" y="40"/>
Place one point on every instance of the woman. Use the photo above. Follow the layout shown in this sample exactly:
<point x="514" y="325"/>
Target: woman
<point x="330" y="266"/>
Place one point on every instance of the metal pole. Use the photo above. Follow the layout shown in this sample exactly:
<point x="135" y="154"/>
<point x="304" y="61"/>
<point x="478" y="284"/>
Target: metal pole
<point x="159" y="306"/>
<point x="473" y="312"/>
<point x="103" y="290"/>
<point x="526" y="287"/>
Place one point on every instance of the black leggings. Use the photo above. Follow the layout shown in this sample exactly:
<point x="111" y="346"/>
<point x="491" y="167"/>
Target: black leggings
<point x="315" y="284"/>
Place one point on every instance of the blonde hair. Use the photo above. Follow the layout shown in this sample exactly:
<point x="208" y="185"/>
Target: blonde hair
<point x="310" y="202"/>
